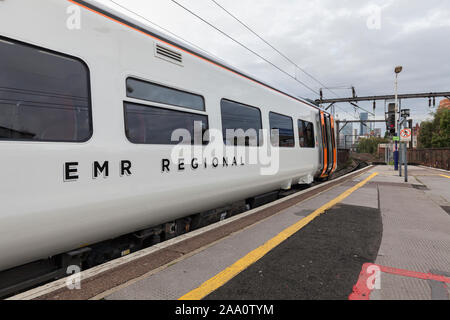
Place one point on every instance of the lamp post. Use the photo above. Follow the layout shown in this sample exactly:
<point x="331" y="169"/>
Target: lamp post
<point x="397" y="117"/>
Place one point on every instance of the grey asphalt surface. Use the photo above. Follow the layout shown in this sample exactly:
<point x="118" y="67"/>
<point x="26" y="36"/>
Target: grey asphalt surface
<point x="320" y="262"/>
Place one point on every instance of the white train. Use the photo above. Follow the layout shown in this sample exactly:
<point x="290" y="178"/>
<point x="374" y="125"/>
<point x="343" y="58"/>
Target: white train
<point x="89" y="98"/>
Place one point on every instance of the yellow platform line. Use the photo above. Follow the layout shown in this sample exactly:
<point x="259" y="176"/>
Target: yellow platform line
<point x="443" y="175"/>
<point x="229" y="273"/>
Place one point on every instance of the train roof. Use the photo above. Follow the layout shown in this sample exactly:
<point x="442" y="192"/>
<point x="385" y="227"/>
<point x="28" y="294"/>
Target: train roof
<point x="130" y="20"/>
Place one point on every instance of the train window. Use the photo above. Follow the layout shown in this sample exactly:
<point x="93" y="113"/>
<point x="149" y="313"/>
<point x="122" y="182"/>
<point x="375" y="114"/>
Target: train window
<point x="286" y="130"/>
<point x="144" y="90"/>
<point x="302" y="133"/>
<point x="310" y="137"/>
<point x="306" y="134"/>
<point x="44" y="96"/>
<point x="241" y="124"/>
<point x="152" y="125"/>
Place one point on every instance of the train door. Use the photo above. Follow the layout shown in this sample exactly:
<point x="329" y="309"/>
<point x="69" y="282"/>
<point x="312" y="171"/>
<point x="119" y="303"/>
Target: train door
<point x="334" y="142"/>
<point x="319" y="133"/>
<point x="328" y="145"/>
<point x="324" y="145"/>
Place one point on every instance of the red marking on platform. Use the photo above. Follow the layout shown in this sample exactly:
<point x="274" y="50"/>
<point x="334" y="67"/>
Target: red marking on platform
<point x="414" y="274"/>
<point x="362" y="292"/>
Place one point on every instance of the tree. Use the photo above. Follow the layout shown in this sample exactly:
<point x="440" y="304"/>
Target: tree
<point x="436" y="133"/>
<point x="370" y="145"/>
<point x="426" y="134"/>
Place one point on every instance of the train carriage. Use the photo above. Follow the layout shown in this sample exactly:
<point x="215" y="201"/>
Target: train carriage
<point x="86" y="118"/>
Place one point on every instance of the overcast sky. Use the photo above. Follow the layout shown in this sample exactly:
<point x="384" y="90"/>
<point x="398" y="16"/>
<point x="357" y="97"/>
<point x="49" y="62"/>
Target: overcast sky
<point x="341" y="43"/>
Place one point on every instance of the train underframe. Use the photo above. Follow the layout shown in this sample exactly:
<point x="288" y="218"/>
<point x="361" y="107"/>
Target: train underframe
<point x="28" y="276"/>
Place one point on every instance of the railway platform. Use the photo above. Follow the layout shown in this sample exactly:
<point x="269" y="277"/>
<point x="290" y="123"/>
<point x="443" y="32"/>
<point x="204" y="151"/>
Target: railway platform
<point x="368" y="235"/>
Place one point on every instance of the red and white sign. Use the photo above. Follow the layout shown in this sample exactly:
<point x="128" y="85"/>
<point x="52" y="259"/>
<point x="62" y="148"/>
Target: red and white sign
<point x="405" y="135"/>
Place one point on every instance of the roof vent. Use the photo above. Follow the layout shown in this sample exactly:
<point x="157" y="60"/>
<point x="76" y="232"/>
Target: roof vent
<point x="168" y="54"/>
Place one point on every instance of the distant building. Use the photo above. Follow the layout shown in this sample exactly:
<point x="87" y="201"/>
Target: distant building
<point x="346" y="136"/>
<point x="444" y="104"/>
<point x="377" y="132"/>
<point x="364" y="128"/>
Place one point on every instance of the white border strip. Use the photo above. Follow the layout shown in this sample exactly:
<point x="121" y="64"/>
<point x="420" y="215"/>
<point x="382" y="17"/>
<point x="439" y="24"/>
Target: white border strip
<point x="442" y="170"/>
<point x="61" y="283"/>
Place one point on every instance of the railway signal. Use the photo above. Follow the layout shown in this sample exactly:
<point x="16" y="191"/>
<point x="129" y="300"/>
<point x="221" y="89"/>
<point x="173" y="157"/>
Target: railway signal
<point x="391" y="119"/>
<point x="405" y="113"/>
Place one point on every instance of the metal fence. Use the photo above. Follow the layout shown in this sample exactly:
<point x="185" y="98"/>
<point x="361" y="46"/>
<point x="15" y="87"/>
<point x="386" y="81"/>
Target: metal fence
<point x="343" y="156"/>
<point x="436" y="158"/>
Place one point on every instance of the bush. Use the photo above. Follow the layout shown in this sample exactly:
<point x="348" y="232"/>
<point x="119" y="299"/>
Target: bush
<point x="370" y="145"/>
<point x="436" y="133"/>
